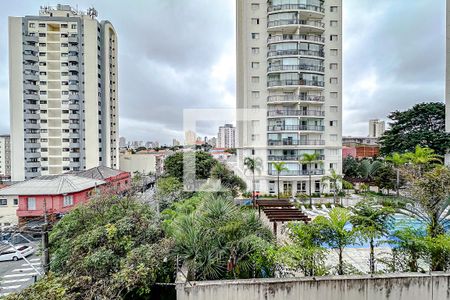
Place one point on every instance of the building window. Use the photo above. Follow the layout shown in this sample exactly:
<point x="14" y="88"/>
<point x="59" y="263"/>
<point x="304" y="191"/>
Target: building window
<point x="31" y="202"/>
<point x="16" y="201"/>
<point x="42" y="25"/>
<point x="334" y="109"/>
<point x="68" y="201"/>
<point x="334" y="95"/>
<point x="333" y="23"/>
<point x="255" y="36"/>
<point x="333" y="66"/>
<point x="333" y="152"/>
<point x="334" y="52"/>
<point x="255" y="94"/>
<point x="255" y="50"/>
<point x="334" y="80"/>
<point x="31" y="25"/>
<point x="334" y="37"/>
<point x="73" y="26"/>
<point x="333" y="137"/>
<point x="255" y="21"/>
<point x="3" y="202"/>
<point x="333" y="9"/>
<point x="301" y="186"/>
<point x="255" y="65"/>
<point x="255" y="6"/>
<point x="317" y="186"/>
<point x="333" y="123"/>
<point x="255" y="79"/>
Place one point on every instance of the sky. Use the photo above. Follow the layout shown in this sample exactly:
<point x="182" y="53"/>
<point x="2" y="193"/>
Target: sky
<point x="180" y="54"/>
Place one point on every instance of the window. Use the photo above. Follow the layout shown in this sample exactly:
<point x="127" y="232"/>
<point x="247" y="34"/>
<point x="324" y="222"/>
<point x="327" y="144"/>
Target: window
<point x="255" y="65"/>
<point x="334" y="52"/>
<point x="333" y="9"/>
<point x="73" y="26"/>
<point x="333" y="23"/>
<point x="334" y="95"/>
<point x="42" y="25"/>
<point x="3" y="202"/>
<point x="255" y="21"/>
<point x="334" y="37"/>
<point x="333" y="152"/>
<point x="333" y="66"/>
<point x="63" y="25"/>
<point x="41" y="34"/>
<point x="68" y="200"/>
<point x="31" y="25"/>
<point x="255" y="6"/>
<point x="255" y="50"/>
<point x="255" y="94"/>
<point x="255" y="36"/>
<point x="333" y="80"/>
<point x="16" y="201"/>
<point x="317" y="186"/>
<point x="255" y="79"/>
<point x="334" y="109"/>
<point x="31" y="202"/>
<point x="333" y="123"/>
<point x="333" y="166"/>
<point x="301" y="187"/>
<point x="333" y="137"/>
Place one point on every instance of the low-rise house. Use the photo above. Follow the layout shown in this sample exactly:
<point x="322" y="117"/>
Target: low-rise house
<point x="8" y="207"/>
<point x="57" y="194"/>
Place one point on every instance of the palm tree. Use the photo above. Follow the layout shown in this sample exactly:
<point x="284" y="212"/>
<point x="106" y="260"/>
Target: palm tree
<point x="309" y="160"/>
<point x="336" y="181"/>
<point x="279" y="167"/>
<point x="397" y="160"/>
<point x="335" y="232"/>
<point x="422" y="156"/>
<point x="252" y="164"/>
<point x="368" y="168"/>
<point x="371" y="221"/>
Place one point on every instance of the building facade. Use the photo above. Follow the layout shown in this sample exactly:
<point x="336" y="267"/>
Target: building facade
<point x="226" y="137"/>
<point x="5" y="157"/>
<point x="63" y="92"/>
<point x="289" y="89"/>
<point x="376" y="128"/>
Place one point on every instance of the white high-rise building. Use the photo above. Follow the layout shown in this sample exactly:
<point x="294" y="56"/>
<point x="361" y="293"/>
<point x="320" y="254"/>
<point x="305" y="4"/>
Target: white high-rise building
<point x="5" y="156"/>
<point x="289" y="89"/>
<point x="63" y="92"/>
<point x="226" y="137"/>
<point x="376" y="128"/>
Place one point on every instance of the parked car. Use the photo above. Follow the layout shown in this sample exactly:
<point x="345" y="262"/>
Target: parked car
<point x="16" y="254"/>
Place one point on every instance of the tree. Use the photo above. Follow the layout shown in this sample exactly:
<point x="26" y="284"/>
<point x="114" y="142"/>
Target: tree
<point x="368" y="168"/>
<point x="371" y="221"/>
<point x="422" y="158"/>
<point x="310" y="160"/>
<point x="397" y="160"/>
<point x="350" y="167"/>
<point x="335" y="232"/>
<point x="204" y="162"/>
<point x="423" y="125"/>
<point x="384" y="178"/>
<point x="228" y="179"/>
<point x="279" y="167"/>
<point x="168" y="190"/>
<point x="253" y="165"/>
<point x="336" y="181"/>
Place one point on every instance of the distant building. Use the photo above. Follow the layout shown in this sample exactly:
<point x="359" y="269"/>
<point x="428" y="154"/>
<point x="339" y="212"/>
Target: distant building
<point x="226" y="137"/>
<point x="213" y="142"/>
<point x="190" y="138"/>
<point x="5" y="157"/>
<point x="376" y="128"/>
<point x="58" y="194"/>
<point x="144" y="162"/>
<point x="360" y="147"/>
<point x="63" y="92"/>
<point x="175" y="142"/>
<point x="122" y="142"/>
<point x="8" y="208"/>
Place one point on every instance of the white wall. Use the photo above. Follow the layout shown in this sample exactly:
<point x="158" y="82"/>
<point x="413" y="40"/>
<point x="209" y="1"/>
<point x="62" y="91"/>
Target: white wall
<point x="8" y="212"/>
<point x="138" y="162"/>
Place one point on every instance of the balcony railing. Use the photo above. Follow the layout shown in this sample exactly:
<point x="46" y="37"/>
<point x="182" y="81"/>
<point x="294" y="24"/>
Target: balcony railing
<point x="302" y="67"/>
<point x="295" y="112"/>
<point x="297" y="172"/>
<point x="295" y="128"/>
<point x="296" y="37"/>
<point x="315" y="8"/>
<point x="288" y="98"/>
<point x="289" y="82"/>
<point x="295" y="52"/>
<point x="286" y="22"/>
<point x="290" y="157"/>
<point x="295" y="142"/>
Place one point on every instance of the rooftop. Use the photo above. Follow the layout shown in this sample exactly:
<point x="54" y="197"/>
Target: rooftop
<point x="98" y="173"/>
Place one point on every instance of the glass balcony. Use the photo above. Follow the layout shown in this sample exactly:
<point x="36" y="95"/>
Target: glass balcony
<point x="313" y="68"/>
<point x="295" y="128"/>
<point x="295" y="37"/>
<point x="289" y="52"/>
<point x="315" y="8"/>
<point x="290" y="82"/>
<point x="289" y="142"/>
<point x="297" y="172"/>
<point x="290" y="157"/>
<point x="295" y="112"/>
<point x="295" y="98"/>
<point x="288" y="22"/>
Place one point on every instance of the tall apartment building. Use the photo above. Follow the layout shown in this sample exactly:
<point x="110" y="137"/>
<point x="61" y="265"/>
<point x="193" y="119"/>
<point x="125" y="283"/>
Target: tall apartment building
<point x="289" y="66"/>
<point x="226" y="137"/>
<point x="376" y="128"/>
<point x="63" y="92"/>
<point x="5" y="156"/>
<point x="447" y="79"/>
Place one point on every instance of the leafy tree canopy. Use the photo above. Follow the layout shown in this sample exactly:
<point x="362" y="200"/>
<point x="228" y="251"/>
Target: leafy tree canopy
<point x="204" y="162"/>
<point x="423" y="124"/>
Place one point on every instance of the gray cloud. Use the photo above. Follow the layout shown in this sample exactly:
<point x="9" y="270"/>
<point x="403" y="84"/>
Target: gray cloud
<point x="177" y="54"/>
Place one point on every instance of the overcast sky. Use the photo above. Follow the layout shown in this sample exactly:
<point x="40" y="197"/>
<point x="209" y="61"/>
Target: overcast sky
<point x="176" y="54"/>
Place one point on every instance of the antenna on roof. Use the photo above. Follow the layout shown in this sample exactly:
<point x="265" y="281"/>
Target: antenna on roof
<point x="92" y="12"/>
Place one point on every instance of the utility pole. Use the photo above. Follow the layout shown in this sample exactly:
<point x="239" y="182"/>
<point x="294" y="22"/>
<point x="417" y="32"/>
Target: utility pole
<point x="46" y="257"/>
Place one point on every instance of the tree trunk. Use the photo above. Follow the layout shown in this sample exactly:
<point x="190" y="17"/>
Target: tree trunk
<point x="341" y="263"/>
<point x="253" y="187"/>
<point x="372" y="257"/>
<point x="278" y="185"/>
<point x="398" y="183"/>
<point x="310" y="183"/>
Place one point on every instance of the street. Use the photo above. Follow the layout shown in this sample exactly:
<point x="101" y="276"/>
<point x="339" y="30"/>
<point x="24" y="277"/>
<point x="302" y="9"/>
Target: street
<point x="17" y="275"/>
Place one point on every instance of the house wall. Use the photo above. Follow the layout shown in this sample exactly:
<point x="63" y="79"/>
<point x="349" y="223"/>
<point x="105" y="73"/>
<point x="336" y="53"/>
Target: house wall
<point x="8" y="211"/>
<point x="382" y="287"/>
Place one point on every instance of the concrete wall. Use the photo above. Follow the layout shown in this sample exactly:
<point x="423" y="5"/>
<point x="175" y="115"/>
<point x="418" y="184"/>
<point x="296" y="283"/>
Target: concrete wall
<point x="382" y="287"/>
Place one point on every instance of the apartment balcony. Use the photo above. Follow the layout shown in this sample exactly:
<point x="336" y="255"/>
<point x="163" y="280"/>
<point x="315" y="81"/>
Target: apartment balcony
<point x="288" y="142"/>
<point x="34" y="164"/>
<point x="74" y="97"/>
<point x="73" y="77"/>
<point x="74" y="116"/>
<point x="31" y="87"/>
<point x="295" y="128"/>
<point x="31" y="39"/>
<point x="73" y="87"/>
<point x="313" y="26"/>
<point x="298" y="82"/>
<point x="29" y="154"/>
<point x="32" y="77"/>
<point x="295" y="113"/>
<point x="308" y="7"/>
<point x="33" y="67"/>
<point x="29" y="57"/>
<point x="295" y="38"/>
<point x="30" y="47"/>
<point x="32" y="135"/>
<point x="290" y="157"/>
<point x="29" y="125"/>
<point x="73" y="58"/>
<point x="314" y="172"/>
<point x="31" y="96"/>
<point x="74" y="106"/>
<point x="72" y="40"/>
<point x="74" y="154"/>
<point x="296" y="52"/>
<point x="74" y="126"/>
<point x="31" y="145"/>
<point x="280" y="68"/>
<point x="73" y="68"/>
<point x="295" y="98"/>
<point x="73" y="48"/>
